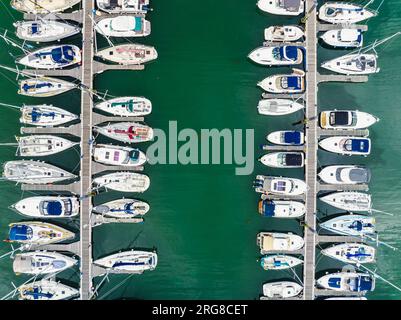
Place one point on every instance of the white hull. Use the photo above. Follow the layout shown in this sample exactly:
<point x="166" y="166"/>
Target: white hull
<point x="118" y="7"/>
<point x="281" y="160"/>
<point x="346" y="119"/>
<point x="43" y="6"/>
<point x="118" y="155"/>
<point x="43" y="87"/>
<point x="54" y="57"/>
<point x="343" y="38"/>
<point x="286" y="138"/>
<point x="349" y="200"/>
<point x="126" y="106"/>
<point x="45" y="31"/>
<point x="280" y="185"/>
<point x="345" y="281"/>
<point x="123" y="182"/>
<point x="344" y="174"/>
<point x="42" y="262"/>
<point x="276" y="56"/>
<point x="347" y="145"/>
<point x="46" y="290"/>
<point x="128" y="54"/>
<point x="351" y="225"/>
<point x="130" y="261"/>
<point x="342" y="12"/>
<point x="278" y="107"/>
<point x="39" y="233"/>
<point x="281" y="209"/>
<point x="285" y="83"/>
<point x="282" y="289"/>
<point x="42" y="145"/>
<point x="279" y="262"/>
<point x="353" y="64"/>
<point x="274" y="241"/>
<point x="45" y="116"/>
<point x="355" y="253"/>
<point x="122" y="208"/>
<point x="48" y="207"/>
<point x="34" y="172"/>
<point x="283" y="33"/>
<point x="128" y="132"/>
<point x="281" y="7"/>
<point x="124" y="26"/>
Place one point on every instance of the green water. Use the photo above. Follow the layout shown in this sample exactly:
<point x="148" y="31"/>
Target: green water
<point x="203" y="219"/>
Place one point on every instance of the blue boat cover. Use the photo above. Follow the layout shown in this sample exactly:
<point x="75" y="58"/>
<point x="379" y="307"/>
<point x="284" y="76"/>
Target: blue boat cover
<point x="334" y="282"/>
<point x="293" y="137"/>
<point x="360" y="145"/>
<point x="359" y="254"/>
<point x="63" y="54"/>
<point x="20" y="232"/>
<point x="36" y="293"/>
<point x="134" y="154"/>
<point x="289" y="52"/>
<point x="364" y="284"/>
<point x="268" y="208"/>
<point x="293" y="159"/>
<point x="122" y="264"/>
<point x="294" y="82"/>
<point x="27" y="87"/>
<point x="54" y="208"/>
<point x="138" y="24"/>
<point x="357" y="225"/>
<point x="34" y="28"/>
<point x="36" y="114"/>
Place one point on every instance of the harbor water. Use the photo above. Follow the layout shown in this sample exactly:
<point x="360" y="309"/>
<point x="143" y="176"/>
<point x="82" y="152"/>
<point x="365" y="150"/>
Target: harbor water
<point x="203" y="219"/>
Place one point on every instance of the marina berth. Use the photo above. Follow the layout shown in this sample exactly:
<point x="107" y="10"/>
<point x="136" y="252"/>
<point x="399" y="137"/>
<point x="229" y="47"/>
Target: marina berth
<point x="45" y="30"/>
<point x="282" y="289"/>
<point x="34" y="172"/>
<point x="281" y="208"/>
<point x="129" y="261"/>
<point x="353" y="64"/>
<point x="128" y="54"/>
<point x="347" y="282"/>
<point x="351" y="225"/>
<point x="279" y="185"/>
<point x="286" y="138"/>
<point x="123" y="182"/>
<point x="128" y="132"/>
<point x="344" y="13"/>
<point x="122" y="208"/>
<point x="346" y="119"/>
<point x="283" y="160"/>
<point x="123" y="6"/>
<point x="124" y="26"/>
<point x="54" y="57"/>
<point x="343" y="38"/>
<point x="349" y="200"/>
<point x="46" y="290"/>
<point x="279" y="262"/>
<point x="42" y="145"/>
<point x="277" y="55"/>
<point x="126" y="106"/>
<point x="283" y="33"/>
<point x="345" y="174"/>
<point x="354" y="253"/>
<point x="118" y="155"/>
<point x="43" y="87"/>
<point x="347" y="145"/>
<point x="278" y="107"/>
<point x="285" y="83"/>
<point x="275" y="241"/>
<point x="42" y="262"/>
<point x="45" y="115"/>
<point x="39" y="233"/>
<point x="282" y="7"/>
<point x="48" y="207"/>
<point x="43" y="6"/>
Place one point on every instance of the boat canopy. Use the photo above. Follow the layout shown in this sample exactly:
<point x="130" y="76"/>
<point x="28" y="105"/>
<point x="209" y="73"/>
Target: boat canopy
<point x="37" y="293"/>
<point x="34" y="28"/>
<point x="36" y="114"/>
<point x="333" y="11"/>
<point x="27" y="87"/>
<point x="61" y="55"/>
<point x="357" y="145"/>
<point x="341" y="118"/>
<point x="293" y="137"/>
<point x="360" y="175"/>
<point x="290" y="5"/>
<point x="52" y="208"/>
<point x="289" y="53"/>
<point x="268" y="208"/>
<point x="293" y="159"/>
<point x="20" y="232"/>
<point x="360" y="254"/>
<point x="361" y="283"/>
<point x="291" y="82"/>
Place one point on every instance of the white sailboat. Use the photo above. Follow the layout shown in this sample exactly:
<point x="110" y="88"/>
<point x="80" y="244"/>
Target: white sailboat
<point x="345" y="174"/>
<point x="123" y="6"/>
<point x="275" y="241"/>
<point x="281" y="208"/>
<point x="118" y="155"/>
<point x="353" y="64"/>
<point x="285" y="83"/>
<point x="278" y="107"/>
<point x="349" y="200"/>
<point x="345" y="145"/>
<point x="343" y="38"/>
<point x="128" y="132"/>
<point x="286" y="33"/>
<point x="277" y="55"/>
<point x="283" y="159"/>
<point x="43" y="87"/>
<point x="132" y="261"/>
<point x="126" y="106"/>
<point x="48" y="207"/>
<point x="45" y="115"/>
<point x="286" y="138"/>
<point x="42" y="145"/>
<point x="346" y="119"/>
<point x="282" y="7"/>
<point x="343" y="12"/>
<point x="279" y="262"/>
<point x="351" y="225"/>
<point x="128" y="54"/>
<point x="124" y="26"/>
<point x="45" y="30"/>
<point x="354" y="253"/>
<point x="34" y="172"/>
<point x="279" y="185"/>
<point x="42" y="262"/>
<point x="122" y="208"/>
<point x="43" y="6"/>
<point x="123" y="182"/>
<point x="46" y="290"/>
<point x="347" y="282"/>
<point x="282" y="289"/>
